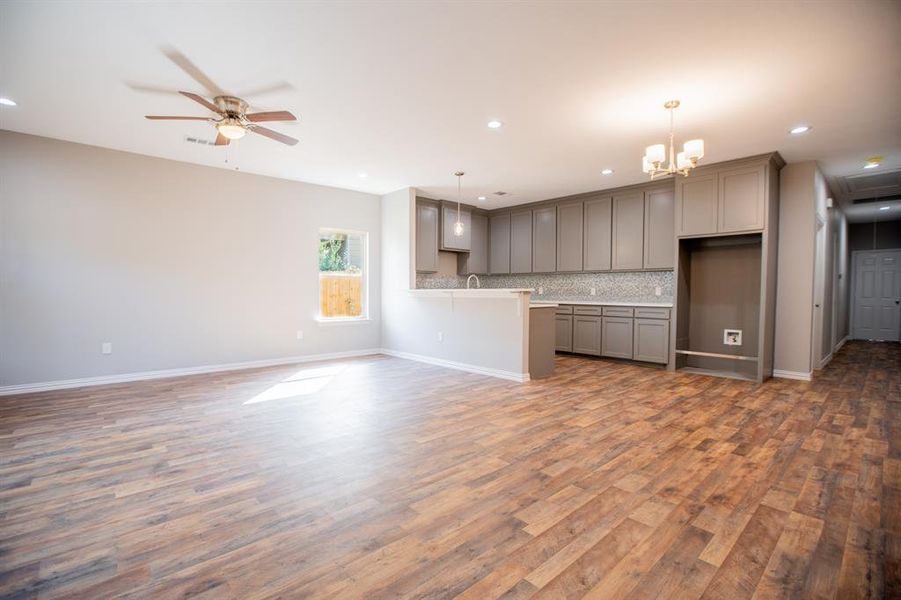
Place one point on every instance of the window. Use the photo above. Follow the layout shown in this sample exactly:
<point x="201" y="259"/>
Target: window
<point x="342" y="275"/>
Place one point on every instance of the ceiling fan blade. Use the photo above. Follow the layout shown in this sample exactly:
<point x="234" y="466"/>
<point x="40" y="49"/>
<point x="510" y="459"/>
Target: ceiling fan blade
<point x="193" y="71"/>
<point x="275" y="115"/>
<point x="161" y="118"/>
<point x="221" y="140"/>
<point x="278" y="137"/>
<point x="202" y="100"/>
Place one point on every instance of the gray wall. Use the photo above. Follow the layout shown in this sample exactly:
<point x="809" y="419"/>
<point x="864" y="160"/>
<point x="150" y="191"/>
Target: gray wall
<point x="803" y="195"/>
<point x="177" y="265"/>
<point x="880" y="235"/>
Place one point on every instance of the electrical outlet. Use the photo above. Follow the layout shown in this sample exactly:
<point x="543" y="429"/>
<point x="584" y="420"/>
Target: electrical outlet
<point x="593" y="291"/>
<point x="106" y="348"/>
<point x="440" y="336"/>
<point x="300" y="334"/>
<point x="732" y="337"/>
<point x="658" y="291"/>
<point x="540" y="290"/>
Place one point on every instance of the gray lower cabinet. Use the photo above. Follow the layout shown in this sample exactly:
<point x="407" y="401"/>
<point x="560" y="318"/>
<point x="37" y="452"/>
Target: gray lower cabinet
<point x="563" y="333"/>
<point x="659" y="238"/>
<point x="651" y="340"/>
<point x="617" y="337"/>
<point x="476" y="260"/>
<point x="521" y="242"/>
<point x="587" y="335"/>
<point x="499" y="244"/>
<point x="450" y="241"/>
<point x="569" y="237"/>
<point x="598" y="218"/>
<point x="426" y="237"/>
<point x="627" y="252"/>
<point x="544" y="240"/>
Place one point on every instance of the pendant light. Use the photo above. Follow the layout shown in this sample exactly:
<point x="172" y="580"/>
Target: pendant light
<point x="655" y="158"/>
<point x="458" y="226"/>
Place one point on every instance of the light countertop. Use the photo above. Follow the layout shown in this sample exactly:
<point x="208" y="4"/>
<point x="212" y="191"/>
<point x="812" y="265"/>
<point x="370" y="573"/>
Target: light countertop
<point x="608" y="303"/>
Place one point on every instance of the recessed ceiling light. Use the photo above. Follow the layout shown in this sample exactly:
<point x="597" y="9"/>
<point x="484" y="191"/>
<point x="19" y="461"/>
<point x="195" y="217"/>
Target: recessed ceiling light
<point x="7" y="102"/>
<point x="363" y="175"/>
<point x="607" y="172"/>
<point x="871" y="165"/>
<point x="494" y="124"/>
<point x="884" y="207"/>
<point x="482" y="198"/>
<point x="873" y="162"/>
<point x="799" y="129"/>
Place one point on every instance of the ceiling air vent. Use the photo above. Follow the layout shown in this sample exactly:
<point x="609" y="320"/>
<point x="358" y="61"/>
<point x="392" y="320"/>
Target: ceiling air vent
<point x="500" y="193"/>
<point x="881" y="199"/>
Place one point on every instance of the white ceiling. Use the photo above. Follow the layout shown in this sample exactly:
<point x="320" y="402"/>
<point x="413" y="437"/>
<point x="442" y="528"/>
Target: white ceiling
<point x="402" y="91"/>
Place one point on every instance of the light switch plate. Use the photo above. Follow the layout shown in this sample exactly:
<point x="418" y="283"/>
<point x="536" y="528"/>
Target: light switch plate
<point x="106" y="348"/>
<point x="732" y="337"/>
<point x="594" y="291"/>
<point x="300" y="334"/>
<point x="658" y="291"/>
<point x="440" y="336"/>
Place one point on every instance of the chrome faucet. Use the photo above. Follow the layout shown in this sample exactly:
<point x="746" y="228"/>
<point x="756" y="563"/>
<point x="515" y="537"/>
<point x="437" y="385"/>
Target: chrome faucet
<point x="478" y="283"/>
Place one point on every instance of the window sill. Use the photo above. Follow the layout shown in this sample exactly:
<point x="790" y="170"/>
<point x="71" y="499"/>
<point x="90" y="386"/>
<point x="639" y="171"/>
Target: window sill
<point x="325" y="321"/>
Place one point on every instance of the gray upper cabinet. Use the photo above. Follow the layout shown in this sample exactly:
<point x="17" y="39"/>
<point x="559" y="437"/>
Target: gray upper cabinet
<point x="521" y="242"/>
<point x="476" y="260"/>
<point x="426" y="237"/>
<point x="499" y="243"/>
<point x="544" y="240"/>
<point x="617" y="337"/>
<point x="569" y="237"/>
<point x="449" y="241"/>
<point x="728" y="200"/>
<point x="659" y="241"/>
<point x="696" y="204"/>
<point x="628" y="232"/>
<point x="742" y="199"/>
<point x="587" y="335"/>
<point x="598" y="230"/>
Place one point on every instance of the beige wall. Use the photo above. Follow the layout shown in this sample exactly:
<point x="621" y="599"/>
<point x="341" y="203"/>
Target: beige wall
<point x="803" y="196"/>
<point x="177" y="265"/>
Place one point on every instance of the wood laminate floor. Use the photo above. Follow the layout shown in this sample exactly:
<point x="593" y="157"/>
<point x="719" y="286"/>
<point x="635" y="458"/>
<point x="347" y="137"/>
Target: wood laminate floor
<point x="383" y="478"/>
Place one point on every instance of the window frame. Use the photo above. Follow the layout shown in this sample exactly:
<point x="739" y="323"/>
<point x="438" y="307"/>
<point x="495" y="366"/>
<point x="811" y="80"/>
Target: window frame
<point x="364" y="316"/>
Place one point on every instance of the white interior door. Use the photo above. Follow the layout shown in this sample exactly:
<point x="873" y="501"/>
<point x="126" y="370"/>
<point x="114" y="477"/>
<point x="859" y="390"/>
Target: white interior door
<point x="877" y="295"/>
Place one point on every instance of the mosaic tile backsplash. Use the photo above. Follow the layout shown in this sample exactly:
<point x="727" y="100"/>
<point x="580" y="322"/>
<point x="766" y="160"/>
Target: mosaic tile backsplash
<point x="619" y="287"/>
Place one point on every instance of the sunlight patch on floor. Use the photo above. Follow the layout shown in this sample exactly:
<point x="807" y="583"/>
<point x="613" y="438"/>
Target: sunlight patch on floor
<point x="302" y="383"/>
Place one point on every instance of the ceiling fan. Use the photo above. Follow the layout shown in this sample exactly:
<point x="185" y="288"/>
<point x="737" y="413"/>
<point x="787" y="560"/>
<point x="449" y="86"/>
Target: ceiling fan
<point x="233" y="120"/>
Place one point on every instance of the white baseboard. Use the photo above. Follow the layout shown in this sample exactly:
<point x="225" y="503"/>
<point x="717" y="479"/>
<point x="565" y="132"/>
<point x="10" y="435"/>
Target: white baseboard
<point x="826" y="360"/>
<point x="841" y="343"/>
<point x="510" y="375"/>
<point x="62" y="384"/>
<point x="799" y="375"/>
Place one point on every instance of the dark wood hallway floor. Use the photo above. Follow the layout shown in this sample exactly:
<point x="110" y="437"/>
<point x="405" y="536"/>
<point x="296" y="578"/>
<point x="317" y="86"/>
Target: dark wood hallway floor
<point x="379" y="477"/>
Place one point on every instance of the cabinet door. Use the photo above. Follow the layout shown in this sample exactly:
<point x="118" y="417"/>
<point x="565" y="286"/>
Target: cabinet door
<point x="426" y="238"/>
<point x="499" y="244"/>
<point x="564" y="333"/>
<point x="544" y="240"/>
<point x="651" y="340"/>
<point x="696" y="205"/>
<point x="628" y="232"/>
<point x="452" y="242"/>
<point x="659" y="220"/>
<point x="587" y="335"/>
<point x="742" y="199"/>
<point x="569" y="237"/>
<point x="476" y="260"/>
<point x="521" y="242"/>
<point x="617" y="337"/>
<point x="598" y="232"/>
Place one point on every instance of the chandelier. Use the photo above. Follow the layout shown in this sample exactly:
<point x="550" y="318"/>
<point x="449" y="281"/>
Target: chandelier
<point x="655" y="156"/>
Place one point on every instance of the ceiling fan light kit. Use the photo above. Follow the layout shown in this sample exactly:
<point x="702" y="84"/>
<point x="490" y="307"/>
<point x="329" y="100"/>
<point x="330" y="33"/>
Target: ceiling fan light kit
<point x="234" y="121"/>
<point x="655" y="156"/>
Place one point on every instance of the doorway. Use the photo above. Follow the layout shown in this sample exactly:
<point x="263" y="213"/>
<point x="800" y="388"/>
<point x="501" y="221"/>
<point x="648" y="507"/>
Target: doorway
<point x="876" y="295"/>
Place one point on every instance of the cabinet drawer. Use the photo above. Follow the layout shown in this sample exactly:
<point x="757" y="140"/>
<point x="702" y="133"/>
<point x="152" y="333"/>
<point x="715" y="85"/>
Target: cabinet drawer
<point x="587" y="310"/>
<point x="618" y="311"/>
<point x="564" y="309"/>
<point x="652" y="313"/>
